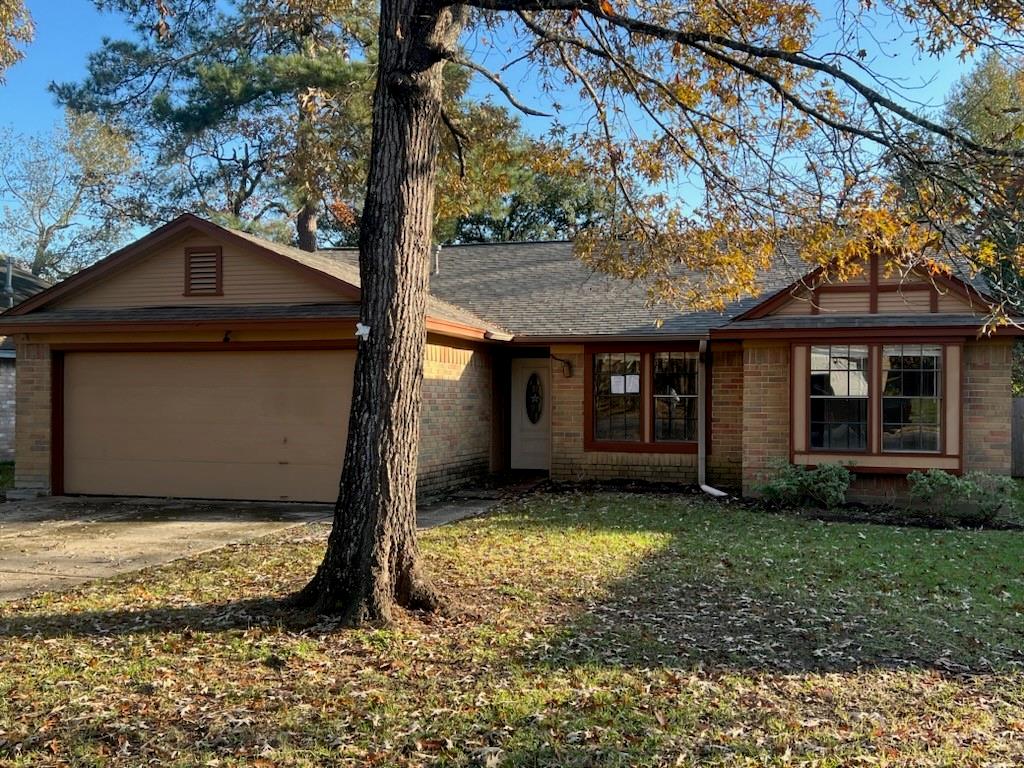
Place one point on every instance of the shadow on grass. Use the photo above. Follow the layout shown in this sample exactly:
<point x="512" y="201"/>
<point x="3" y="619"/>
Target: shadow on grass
<point x="729" y="588"/>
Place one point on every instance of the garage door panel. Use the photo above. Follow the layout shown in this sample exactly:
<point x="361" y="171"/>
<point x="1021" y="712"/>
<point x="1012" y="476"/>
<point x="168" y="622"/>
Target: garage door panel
<point x="245" y="425"/>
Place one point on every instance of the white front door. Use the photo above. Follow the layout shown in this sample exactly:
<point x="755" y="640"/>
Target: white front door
<point x="531" y="413"/>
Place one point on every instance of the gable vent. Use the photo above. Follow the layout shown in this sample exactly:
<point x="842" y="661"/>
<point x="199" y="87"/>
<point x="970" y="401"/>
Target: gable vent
<point x="203" y="271"/>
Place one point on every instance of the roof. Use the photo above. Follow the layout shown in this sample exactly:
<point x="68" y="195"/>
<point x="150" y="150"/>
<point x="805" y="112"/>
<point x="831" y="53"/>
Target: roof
<point x="186" y="315"/>
<point x="25" y="285"/>
<point x="541" y="290"/>
<point x="530" y="291"/>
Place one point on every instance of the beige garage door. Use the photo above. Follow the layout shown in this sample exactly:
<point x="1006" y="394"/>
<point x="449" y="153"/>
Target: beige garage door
<point x="216" y="425"/>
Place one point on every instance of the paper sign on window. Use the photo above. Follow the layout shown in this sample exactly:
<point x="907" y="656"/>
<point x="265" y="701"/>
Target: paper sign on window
<point x="633" y="384"/>
<point x="618" y="385"/>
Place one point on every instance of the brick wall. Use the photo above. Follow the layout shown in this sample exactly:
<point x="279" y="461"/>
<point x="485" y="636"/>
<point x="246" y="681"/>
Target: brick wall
<point x="32" y="436"/>
<point x="570" y="463"/>
<point x="765" y="409"/>
<point x="8" y="404"/>
<point x="988" y="405"/>
<point x="455" y="427"/>
<point x="725" y="462"/>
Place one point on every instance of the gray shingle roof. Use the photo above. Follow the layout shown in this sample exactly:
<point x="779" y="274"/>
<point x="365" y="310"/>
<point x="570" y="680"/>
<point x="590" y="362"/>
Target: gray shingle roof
<point x="344" y="310"/>
<point x="809" y="322"/>
<point x="541" y="289"/>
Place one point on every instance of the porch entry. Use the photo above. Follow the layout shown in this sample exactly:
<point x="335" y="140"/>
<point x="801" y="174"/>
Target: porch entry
<point x="530" y="423"/>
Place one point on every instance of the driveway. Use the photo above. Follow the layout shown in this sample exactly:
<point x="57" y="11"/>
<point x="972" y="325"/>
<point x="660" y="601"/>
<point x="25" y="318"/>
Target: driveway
<point x="57" y="542"/>
<point x="54" y="543"/>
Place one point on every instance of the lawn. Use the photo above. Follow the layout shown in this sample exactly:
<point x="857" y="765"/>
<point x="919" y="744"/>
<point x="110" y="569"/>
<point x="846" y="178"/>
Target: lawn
<point x="590" y="630"/>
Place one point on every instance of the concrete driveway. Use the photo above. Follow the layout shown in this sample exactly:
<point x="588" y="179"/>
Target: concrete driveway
<point x="57" y="542"/>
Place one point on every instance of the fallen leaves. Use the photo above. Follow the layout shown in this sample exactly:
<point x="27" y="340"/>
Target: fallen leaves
<point x="676" y="633"/>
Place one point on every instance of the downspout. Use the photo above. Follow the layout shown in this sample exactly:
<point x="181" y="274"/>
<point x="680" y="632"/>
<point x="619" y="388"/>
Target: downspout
<point x="702" y="418"/>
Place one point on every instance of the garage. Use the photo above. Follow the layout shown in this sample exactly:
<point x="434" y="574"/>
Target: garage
<point x="263" y="425"/>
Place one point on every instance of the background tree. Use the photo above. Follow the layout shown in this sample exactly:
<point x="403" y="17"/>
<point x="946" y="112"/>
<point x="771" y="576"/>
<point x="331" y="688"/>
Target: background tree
<point x="715" y="129"/>
<point x="16" y="29"/>
<point x="256" y="114"/>
<point x="57" y="195"/>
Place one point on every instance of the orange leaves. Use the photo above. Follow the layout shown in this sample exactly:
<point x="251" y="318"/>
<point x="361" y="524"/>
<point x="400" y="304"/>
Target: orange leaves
<point x="607" y="8"/>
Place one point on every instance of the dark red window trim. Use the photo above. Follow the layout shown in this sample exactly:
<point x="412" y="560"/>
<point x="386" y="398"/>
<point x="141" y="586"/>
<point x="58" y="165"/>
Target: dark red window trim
<point x="646" y="352"/>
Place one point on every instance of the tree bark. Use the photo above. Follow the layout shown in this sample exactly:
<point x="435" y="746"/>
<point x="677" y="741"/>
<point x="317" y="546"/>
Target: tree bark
<point x="372" y="560"/>
<point x="305" y="226"/>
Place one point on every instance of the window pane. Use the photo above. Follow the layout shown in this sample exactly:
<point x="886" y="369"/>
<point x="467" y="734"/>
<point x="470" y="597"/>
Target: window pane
<point x="617" y="396"/>
<point x="912" y="403"/>
<point x="675" y="419"/>
<point x="675" y="396"/>
<point x="839" y="392"/>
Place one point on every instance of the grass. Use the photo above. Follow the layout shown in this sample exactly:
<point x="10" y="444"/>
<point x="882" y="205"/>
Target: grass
<point x="591" y="630"/>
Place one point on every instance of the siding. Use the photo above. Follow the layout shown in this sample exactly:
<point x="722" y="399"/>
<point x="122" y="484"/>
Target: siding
<point x="159" y="281"/>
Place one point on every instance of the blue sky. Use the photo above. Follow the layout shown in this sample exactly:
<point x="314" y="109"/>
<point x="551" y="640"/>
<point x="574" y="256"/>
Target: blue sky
<point x="68" y="30"/>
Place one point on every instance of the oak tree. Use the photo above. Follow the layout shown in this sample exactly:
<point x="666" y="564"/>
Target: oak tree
<point x="16" y="29"/>
<point x="716" y="129"/>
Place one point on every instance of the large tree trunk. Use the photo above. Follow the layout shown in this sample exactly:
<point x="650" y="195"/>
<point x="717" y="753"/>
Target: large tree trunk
<point x="372" y="560"/>
<point x="305" y="226"/>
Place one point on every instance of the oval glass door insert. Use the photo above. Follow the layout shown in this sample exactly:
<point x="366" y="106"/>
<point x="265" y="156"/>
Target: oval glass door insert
<point x="534" y="398"/>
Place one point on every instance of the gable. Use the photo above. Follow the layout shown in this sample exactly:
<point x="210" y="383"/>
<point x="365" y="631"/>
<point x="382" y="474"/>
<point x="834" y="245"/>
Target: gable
<point x="158" y="279"/>
<point x="872" y="293"/>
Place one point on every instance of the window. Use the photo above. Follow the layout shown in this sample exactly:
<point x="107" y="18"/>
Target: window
<point x="675" y="396"/>
<point x="911" y="397"/>
<point x="203" y="271"/>
<point x="839" y="397"/>
<point x="617" y="397"/>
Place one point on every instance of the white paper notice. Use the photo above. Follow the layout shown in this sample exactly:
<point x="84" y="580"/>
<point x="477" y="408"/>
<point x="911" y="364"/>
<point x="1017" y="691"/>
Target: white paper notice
<point x="618" y="385"/>
<point x="633" y="384"/>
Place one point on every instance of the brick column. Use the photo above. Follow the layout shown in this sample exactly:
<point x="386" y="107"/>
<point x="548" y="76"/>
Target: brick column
<point x="32" y="422"/>
<point x="725" y="462"/>
<point x="766" y="420"/>
<point x="988" y="405"/>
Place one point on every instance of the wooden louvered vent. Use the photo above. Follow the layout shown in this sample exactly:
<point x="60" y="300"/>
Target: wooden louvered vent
<point x="203" y="272"/>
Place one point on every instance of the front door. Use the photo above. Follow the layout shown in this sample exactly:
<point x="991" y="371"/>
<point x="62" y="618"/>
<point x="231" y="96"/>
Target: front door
<point x="531" y="413"/>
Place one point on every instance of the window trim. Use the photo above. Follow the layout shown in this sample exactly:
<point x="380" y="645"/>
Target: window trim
<point x="647" y="443"/>
<point x="218" y="253"/>
<point x="862" y="460"/>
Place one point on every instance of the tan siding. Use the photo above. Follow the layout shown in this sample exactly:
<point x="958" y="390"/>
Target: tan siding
<point x="845" y="303"/>
<point x="159" y="280"/>
<point x="798" y="305"/>
<point x="953" y="303"/>
<point x="904" y="302"/>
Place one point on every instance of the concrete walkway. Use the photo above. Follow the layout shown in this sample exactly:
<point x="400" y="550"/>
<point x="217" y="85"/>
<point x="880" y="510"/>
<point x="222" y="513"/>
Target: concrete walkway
<point x="56" y="542"/>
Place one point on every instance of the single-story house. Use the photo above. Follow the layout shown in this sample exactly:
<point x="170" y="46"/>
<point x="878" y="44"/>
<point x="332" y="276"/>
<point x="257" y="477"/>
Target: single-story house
<point x="18" y="285"/>
<point x="205" y="362"/>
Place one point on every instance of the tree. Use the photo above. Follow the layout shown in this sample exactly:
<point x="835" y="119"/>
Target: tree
<point x="16" y="29"/>
<point x="256" y="114"/>
<point x="716" y="129"/>
<point x="539" y="206"/>
<point x="58" y="195"/>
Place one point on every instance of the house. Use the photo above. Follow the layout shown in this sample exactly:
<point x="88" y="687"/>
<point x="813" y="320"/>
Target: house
<point x="18" y="285"/>
<point x="205" y="362"/>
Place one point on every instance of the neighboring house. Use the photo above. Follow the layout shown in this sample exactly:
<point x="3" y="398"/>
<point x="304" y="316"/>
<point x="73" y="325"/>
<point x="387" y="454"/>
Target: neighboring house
<point x="204" y="362"/>
<point x="16" y="285"/>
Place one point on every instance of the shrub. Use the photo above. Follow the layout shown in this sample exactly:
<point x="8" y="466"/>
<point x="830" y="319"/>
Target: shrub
<point x="792" y="485"/>
<point x="975" y="499"/>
